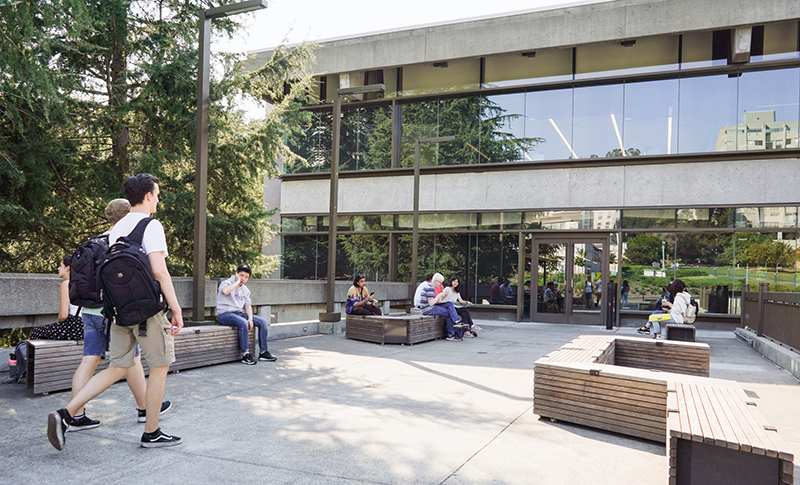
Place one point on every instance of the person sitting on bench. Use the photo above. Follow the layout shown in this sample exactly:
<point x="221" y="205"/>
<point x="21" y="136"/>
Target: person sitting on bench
<point x="433" y="305"/>
<point x="359" y="300"/>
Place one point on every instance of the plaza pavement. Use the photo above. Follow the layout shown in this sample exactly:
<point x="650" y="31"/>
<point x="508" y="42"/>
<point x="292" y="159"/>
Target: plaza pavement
<point x="336" y="411"/>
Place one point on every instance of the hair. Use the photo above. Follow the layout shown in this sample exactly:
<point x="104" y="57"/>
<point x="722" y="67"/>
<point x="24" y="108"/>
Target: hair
<point x="116" y="210"/>
<point x="454" y="278"/>
<point x="677" y="287"/>
<point x="500" y="279"/>
<point x="245" y="268"/>
<point x="437" y="277"/>
<point x="428" y="276"/>
<point x="139" y="185"/>
<point x="66" y="261"/>
<point x="358" y="278"/>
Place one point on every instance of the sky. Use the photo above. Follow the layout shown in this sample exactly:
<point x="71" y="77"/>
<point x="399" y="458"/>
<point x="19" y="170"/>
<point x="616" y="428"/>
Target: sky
<point x="313" y="20"/>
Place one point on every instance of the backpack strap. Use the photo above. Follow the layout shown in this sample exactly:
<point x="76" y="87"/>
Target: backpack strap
<point x="138" y="232"/>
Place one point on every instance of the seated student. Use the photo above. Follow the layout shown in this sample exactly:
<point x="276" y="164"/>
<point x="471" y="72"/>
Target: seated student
<point x="430" y="304"/>
<point x="69" y="325"/>
<point x="420" y="287"/>
<point x="507" y="292"/>
<point x="495" y="294"/>
<point x="232" y="298"/>
<point x="360" y="300"/>
<point x="663" y="306"/>
<point x="550" y="299"/>
<point x="453" y="295"/>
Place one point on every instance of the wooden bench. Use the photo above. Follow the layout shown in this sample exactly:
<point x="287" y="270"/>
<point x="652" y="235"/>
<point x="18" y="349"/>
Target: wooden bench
<point x="681" y="331"/>
<point x="394" y="329"/>
<point x="717" y="436"/>
<point x="660" y="390"/>
<point x="51" y="363"/>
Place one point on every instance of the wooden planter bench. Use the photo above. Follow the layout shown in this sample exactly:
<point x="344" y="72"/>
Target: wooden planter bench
<point x="681" y="331"/>
<point x="660" y="390"/>
<point x="51" y="363"/>
<point x="388" y="329"/>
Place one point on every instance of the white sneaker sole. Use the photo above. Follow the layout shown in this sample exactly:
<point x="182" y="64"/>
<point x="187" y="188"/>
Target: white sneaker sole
<point x="55" y="434"/>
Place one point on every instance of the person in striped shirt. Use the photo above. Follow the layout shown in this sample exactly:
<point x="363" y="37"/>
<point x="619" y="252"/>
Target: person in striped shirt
<point x="430" y="304"/>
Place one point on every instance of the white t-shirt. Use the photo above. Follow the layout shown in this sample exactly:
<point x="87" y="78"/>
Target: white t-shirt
<point x="679" y="306"/>
<point x="153" y="240"/>
<point x="450" y="295"/>
<point x="418" y="293"/>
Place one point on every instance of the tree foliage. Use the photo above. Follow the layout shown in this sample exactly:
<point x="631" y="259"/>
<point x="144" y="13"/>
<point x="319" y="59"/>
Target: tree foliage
<point x="643" y="249"/>
<point x="92" y="92"/>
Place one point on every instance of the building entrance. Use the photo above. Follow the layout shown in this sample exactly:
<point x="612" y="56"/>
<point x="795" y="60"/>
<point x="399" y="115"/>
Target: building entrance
<point x="572" y="276"/>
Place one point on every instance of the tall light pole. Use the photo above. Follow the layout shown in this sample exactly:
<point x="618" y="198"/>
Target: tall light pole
<point x="201" y="159"/>
<point x="329" y="315"/>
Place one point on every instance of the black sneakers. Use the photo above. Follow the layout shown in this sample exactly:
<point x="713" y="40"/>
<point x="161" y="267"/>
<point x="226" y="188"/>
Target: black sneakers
<point x="82" y="422"/>
<point x="57" y="426"/>
<point x="265" y="355"/>
<point x="248" y="359"/>
<point x="159" y="439"/>
<point x="644" y="330"/>
<point x="165" y="406"/>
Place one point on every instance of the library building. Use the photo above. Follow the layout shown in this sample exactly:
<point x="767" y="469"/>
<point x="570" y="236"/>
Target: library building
<point x="581" y="157"/>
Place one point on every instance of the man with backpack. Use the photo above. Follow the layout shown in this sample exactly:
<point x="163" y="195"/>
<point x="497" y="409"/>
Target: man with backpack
<point x="139" y="279"/>
<point x="84" y="292"/>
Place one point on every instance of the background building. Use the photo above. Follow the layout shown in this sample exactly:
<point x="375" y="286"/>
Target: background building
<point x="589" y="140"/>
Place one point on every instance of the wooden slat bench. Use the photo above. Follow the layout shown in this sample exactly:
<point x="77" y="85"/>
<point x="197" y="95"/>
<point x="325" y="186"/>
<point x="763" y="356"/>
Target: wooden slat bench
<point x="401" y="329"/>
<point x="51" y="363"/>
<point x="660" y="390"/>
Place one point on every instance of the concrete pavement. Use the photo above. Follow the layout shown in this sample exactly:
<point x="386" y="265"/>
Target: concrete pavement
<point x="332" y="410"/>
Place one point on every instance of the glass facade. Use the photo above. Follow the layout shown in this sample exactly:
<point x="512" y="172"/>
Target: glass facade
<point x="757" y="110"/>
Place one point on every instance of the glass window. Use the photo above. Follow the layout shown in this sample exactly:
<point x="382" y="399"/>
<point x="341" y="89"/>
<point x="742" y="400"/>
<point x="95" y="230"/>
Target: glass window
<point x="299" y="224"/>
<point x="366" y="254"/>
<point x="405" y="221"/>
<point x="447" y="221"/>
<point x="571" y="220"/>
<point x="366" y="138"/>
<point x="706" y="217"/>
<point x="766" y="217"/>
<point x="770" y="106"/>
<point x="304" y="257"/>
<point x="707" y="114"/>
<point x="780" y="42"/>
<point x="342" y="223"/>
<point x="438" y="77"/>
<point x="461" y="117"/>
<point x="548" y="125"/>
<point x="312" y="143"/>
<point x="540" y="66"/>
<point x="641" y="55"/>
<point x="503" y="128"/>
<point x="645" y="259"/>
<point x="651" y="118"/>
<point x="382" y="222"/>
<point x="496" y="257"/>
<point x="597" y="123"/>
<point x="648" y="218"/>
<point x="501" y="220"/>
<point x="419" y="120"/>
<point x="767" y="258"/>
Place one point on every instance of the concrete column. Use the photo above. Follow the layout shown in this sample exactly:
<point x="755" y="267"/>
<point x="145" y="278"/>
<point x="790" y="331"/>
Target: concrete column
<point x="740" y="50"/>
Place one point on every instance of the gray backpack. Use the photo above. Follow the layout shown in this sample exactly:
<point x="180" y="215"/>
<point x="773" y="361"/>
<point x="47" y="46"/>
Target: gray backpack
<point x="19" y="372"/>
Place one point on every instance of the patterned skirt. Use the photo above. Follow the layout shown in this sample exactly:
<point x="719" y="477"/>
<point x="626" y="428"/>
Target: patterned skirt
<point x="69" y="329"/>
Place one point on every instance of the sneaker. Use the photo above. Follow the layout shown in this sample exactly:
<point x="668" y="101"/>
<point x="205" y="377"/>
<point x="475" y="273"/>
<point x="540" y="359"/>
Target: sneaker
<point x="83" y="422"/>
<point x="159" y="439"/>
<point x="659" y="336"/>
<point x="460" y="325"/>
<point x="165" y="406"/>
<point x="248" y="359"/>
<point x="643" y="330"/>
<point x="474" y="333"/>
<point x="57" y="426"/>
<point x="265" y="355"/>
<point x="449" y="337"/>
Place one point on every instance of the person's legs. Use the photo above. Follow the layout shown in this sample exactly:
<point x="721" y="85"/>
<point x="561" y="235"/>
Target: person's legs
<point x="154" y="396"/>
<point x="360" y="310"/>
<point x="233" y="319"/>
<point x="374" y="309"/>
<point x="83" y="373"/>
<point x="263" y="332"/>
<point x="441" y="311"/>
<point x="137" y="383"/>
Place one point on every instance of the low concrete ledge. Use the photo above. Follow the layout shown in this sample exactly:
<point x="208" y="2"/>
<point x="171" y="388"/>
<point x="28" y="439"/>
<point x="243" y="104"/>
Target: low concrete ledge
<point x="772" y="350"/>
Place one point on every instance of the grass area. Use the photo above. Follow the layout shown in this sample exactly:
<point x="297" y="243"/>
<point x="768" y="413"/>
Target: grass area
<point x="703" y="276"/>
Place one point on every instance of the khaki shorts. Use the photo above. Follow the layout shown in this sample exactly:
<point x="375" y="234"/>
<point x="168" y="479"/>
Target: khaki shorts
<point x="158" y="347"/>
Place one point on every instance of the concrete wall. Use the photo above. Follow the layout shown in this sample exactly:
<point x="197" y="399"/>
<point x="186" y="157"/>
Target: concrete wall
<point x="32" y="299"/>
<point x="721" y="183"/>
<point x="553" y="27"/>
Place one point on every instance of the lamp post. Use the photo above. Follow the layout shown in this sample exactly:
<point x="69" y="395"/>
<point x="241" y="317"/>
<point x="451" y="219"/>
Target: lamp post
<point x="415" y="228"/>
<point x="329" y="315"/>
<point x="201" y="158"/>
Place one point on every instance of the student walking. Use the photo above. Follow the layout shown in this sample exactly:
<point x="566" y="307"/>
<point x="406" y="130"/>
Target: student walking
<point x="156" y="342"/>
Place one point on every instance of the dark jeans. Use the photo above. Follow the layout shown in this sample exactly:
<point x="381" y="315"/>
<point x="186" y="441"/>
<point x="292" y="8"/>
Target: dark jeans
<point x="366" y="309"/>
<point x="239" y="319"/>
<point x="448" y="311"/>
<point x="465" y="316"/>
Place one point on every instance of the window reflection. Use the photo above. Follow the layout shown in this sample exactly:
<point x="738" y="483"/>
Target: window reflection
<point x="651" y="117"/>
<point x="767" y="217"/>
<point x="769" y="118"/>
<point x="304" y="257"/>
<point x="548" y="123"/>
<point x="503" y="119"/>
<point x="366" y="254"/>
<point x="706" y="113"/>
<point x="597" y="123"/>
<point x="366" y="138"/>
<point x="313" y="144"/>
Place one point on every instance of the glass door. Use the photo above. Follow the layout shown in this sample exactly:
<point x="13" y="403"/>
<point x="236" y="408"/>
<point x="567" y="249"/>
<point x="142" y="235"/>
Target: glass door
<point x="571" y="276"/>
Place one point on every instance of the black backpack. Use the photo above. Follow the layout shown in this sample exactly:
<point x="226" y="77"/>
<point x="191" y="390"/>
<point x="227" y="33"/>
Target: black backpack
<point x="84" y="285"/>
<point x="131" y="294"/>
<point x="20" y="371"/>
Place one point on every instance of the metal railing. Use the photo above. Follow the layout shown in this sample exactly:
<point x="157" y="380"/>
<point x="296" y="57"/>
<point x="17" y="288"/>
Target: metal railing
<point x="772" y="314"/>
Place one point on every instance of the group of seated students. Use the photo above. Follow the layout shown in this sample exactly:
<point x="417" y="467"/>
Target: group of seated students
<point x="435" y="299"/>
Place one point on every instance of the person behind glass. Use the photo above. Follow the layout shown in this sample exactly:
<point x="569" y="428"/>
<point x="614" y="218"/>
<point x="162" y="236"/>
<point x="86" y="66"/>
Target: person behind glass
<point x="430" y="304"/>
<point x="232" y="298"/>
<point x="550" y="299"/>
<point x="626" y="288"/>
<point x="495" y="292"/>
<point x="453" y="295"/>
<point x="588" y="288"/>
<point x="508" y="293"/>
<point x="359" y="300"/>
